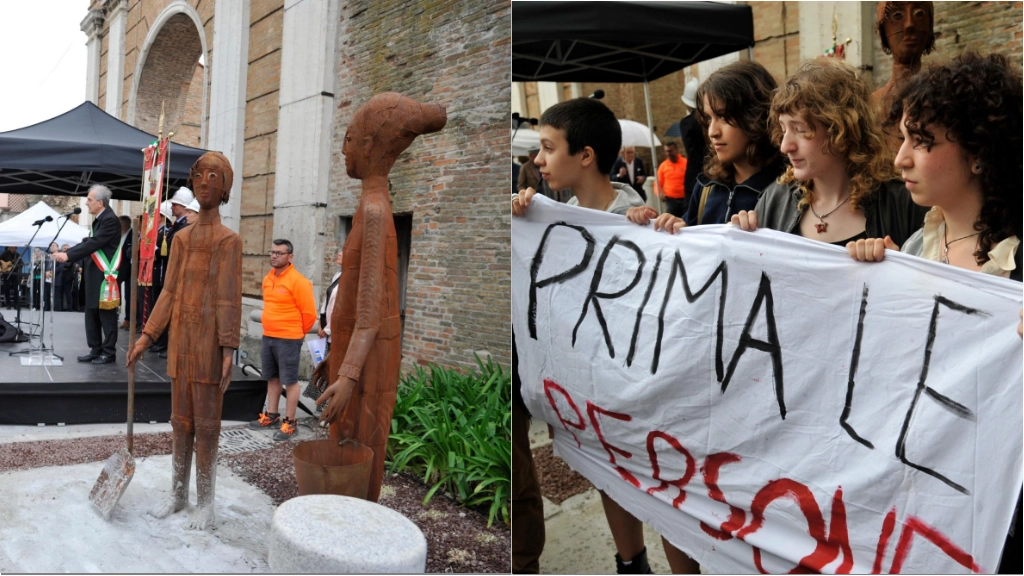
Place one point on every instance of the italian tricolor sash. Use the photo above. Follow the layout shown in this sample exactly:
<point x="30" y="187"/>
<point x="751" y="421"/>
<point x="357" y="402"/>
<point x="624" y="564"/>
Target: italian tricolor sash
<point x="110" y="296"/>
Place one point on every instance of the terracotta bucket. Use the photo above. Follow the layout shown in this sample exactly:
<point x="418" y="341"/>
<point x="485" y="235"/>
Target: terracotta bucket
<point x="324" y="467"/>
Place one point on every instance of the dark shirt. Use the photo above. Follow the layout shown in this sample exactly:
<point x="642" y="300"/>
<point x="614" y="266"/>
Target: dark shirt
<point x="724" y="199"/>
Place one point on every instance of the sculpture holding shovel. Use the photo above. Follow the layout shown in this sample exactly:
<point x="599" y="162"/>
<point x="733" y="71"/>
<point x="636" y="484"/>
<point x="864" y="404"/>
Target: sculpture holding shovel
<point x="201" y="305"/>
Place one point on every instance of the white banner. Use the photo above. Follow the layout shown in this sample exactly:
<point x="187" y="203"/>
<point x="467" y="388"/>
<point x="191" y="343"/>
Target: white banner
<point x="765" y="402"/>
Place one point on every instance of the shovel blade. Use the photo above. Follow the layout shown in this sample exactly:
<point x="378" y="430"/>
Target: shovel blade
<point x="113" y="480"/>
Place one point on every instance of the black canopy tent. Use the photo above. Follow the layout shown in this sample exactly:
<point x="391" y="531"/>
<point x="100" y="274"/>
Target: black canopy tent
<point x="590" y="41"/>
<point x="66" y="154"/>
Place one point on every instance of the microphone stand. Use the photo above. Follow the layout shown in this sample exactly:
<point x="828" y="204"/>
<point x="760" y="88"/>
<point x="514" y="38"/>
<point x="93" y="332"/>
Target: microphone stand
<point x="47" y="359"/>
<point x="21" y="263"/>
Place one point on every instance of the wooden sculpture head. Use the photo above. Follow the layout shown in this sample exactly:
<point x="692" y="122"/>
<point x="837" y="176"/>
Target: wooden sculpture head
<point x="383" y="128"/>
<point x="211" y="179"/>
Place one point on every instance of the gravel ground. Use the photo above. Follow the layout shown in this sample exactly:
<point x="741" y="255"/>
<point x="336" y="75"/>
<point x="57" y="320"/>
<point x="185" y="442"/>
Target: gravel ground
<point x="557" y="480"/>
<point x="458" y="539"/>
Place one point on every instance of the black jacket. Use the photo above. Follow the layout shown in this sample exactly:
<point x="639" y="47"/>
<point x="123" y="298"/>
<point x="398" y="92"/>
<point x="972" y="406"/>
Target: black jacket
<point x="106" y="235"/>
<point x="724" y="200"/>
<point x="638" y="171"/>
<point x="888" y="209"/>
<point x="125" y="271"/>
<point x="696" y="149"/>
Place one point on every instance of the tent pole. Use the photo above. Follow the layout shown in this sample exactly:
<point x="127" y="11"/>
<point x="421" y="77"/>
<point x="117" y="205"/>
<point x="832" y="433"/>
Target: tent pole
<point x="654" y="151"/>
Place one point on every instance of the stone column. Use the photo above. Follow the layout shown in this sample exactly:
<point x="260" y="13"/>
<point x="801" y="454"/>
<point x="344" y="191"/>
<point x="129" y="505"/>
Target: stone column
<point x="227" y="95"/>
<point x="304" y="130"/>
<point x="549" y="94"/>
<point x="92" y="25"/>
<point x="117" y="18"/>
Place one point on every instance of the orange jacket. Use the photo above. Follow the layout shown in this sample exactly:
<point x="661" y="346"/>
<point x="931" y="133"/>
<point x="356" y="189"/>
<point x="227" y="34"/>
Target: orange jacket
<point x="671" y="176"/>
<point x="288" y="307"/>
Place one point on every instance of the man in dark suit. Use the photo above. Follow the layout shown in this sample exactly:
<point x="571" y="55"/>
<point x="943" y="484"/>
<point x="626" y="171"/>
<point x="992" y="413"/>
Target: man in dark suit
<point x="628" y="169"/>
<point x="103" y="245"/>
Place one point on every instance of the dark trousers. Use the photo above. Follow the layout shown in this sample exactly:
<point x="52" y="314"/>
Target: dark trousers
<point x="676" y="206"/>
<point x="66" y="297"/>
<point x="101" y="331"/>
<point x="527" y="504"/>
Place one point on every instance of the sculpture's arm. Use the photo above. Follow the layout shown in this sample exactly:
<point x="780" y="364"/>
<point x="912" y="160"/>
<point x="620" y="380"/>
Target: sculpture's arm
<point x="229" y="292"/>
<point x="370" y="294"/>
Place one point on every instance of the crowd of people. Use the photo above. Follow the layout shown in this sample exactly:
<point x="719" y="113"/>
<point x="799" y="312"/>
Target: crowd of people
<point x="932" y="168"/>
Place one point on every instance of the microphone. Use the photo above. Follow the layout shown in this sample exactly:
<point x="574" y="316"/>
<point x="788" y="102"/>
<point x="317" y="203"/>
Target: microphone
<point x="72" y="213"/>
<point x="41" y="222"/>
<point x="597" y="95"/>
<point x="520" y="120"/>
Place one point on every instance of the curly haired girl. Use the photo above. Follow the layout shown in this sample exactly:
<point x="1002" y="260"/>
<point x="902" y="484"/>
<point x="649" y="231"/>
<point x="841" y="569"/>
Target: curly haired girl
<point x="824" y="124"/>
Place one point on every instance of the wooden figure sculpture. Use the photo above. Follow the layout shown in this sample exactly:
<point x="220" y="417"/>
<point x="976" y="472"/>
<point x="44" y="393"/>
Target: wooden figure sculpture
<point x="906" y="30"/>
<point x="365" y="356"/>
<point x="201" y="305"/>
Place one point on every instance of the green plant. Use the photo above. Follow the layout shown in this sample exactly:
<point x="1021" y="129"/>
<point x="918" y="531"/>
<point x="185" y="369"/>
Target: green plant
<point x="454" y="430"/>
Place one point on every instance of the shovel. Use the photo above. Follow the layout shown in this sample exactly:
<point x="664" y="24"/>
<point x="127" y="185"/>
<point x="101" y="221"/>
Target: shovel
<point x="120" y="467"/>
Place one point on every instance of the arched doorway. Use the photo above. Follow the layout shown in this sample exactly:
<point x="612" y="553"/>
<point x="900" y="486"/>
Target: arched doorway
<point x="171" y="73"/>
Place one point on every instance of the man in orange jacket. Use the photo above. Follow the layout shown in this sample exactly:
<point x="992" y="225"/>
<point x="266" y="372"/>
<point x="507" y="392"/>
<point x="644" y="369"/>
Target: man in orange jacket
<point x="289" y="312"/>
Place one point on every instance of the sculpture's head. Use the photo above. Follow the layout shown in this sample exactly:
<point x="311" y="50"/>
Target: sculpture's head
<point x="383" y="128"/>
<point x="906" y="29"/>
<point x="211" y="179"/>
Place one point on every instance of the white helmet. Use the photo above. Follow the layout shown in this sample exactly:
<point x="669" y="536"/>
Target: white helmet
<point x="193" y="206"/>
<point x="690" y="92"/>
<point x="183" y="196"/>
<point x="165" y="210"/>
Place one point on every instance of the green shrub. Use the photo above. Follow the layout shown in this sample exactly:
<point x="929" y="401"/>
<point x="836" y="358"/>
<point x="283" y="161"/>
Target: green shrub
<point x="454" y="430"/>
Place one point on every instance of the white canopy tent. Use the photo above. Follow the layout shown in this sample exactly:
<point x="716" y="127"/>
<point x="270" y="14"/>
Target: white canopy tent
<point x="524" y="141"/>
<point x="18" y="230"/>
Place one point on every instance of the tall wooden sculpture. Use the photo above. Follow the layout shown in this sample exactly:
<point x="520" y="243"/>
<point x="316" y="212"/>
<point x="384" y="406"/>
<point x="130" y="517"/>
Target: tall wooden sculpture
<point x="366" y="353"/>
<point x="201" y="305"/>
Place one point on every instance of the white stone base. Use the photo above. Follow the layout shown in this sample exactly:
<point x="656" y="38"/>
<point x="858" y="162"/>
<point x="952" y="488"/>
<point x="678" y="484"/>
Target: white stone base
<point x="342" y="535"/>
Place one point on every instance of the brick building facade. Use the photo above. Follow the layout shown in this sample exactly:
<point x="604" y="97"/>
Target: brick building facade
<point x="272" y="85"/>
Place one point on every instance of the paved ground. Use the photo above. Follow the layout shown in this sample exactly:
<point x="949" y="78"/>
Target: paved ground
<point x="578" y="538"/>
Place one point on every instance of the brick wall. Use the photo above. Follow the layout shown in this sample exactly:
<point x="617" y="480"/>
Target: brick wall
<point x="171" y="63"/>
<point x="266" y="18"/>
<point x="454" y="183"/>
<point x="190" y="128"/>
<point x="777" y="37"/>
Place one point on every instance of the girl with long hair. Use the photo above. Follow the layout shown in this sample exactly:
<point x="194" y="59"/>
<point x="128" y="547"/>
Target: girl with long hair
<point x="731" y="107"/>
<point x="838" y="187"/>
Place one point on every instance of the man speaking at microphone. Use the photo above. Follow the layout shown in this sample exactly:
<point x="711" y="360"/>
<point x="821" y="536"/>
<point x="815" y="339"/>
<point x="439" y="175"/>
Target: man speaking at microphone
<point x="102" y="299"/>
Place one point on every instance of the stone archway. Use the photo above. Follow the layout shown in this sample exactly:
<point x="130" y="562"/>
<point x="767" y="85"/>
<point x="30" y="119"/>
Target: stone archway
<point x="169" y="72"/>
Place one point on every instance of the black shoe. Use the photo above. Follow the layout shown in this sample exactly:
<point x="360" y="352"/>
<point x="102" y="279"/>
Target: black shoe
<point x="163" y="355"/>
<point x="158" y="348"/>
<point x="88" y="357"/>
<point x="639" y="564"/>
<point x="105" y="359"/>
<point x="266" y="421"/>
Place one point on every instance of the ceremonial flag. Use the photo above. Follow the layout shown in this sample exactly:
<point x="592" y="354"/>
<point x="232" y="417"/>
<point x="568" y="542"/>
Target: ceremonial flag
<point x="152" y="192"/>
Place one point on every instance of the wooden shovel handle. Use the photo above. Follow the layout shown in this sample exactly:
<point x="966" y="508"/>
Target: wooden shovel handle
<point x="132" y="312"/>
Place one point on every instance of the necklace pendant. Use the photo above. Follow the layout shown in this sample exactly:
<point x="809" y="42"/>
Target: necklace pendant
<point x="821" y="227"/>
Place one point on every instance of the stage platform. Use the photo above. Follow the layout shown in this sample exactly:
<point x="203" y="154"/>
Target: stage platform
<point x="84" y="393"/>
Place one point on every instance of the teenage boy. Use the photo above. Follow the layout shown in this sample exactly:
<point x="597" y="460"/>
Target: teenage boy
<point x="579" y="143"/>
